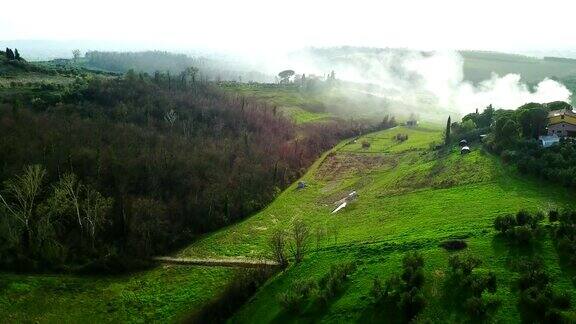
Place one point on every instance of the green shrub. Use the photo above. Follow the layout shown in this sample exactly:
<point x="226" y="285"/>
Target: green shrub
<point x="403" y="292"/>
<point x="523" y="218"/>
<point x="463" y="265"/>
<point x="480" y="307"/>
<point x="465" y="285"/>
<point x="538" y="302"/>
<point x="521" y="229"/>
<point x="412" y="302"/>
<point x="299" y="291"/>
<point x="303" y="291"/>
<point x="290" y="301"/>
<point x="503" y="223"/>
<point x="332" y="283"/>
<point x="564" y="233"/>
<point x="553" y="216"/>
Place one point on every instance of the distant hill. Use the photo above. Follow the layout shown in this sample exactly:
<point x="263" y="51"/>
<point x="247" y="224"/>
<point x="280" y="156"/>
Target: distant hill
<point x="151" y="61"/>
<point x="479" y="66"/>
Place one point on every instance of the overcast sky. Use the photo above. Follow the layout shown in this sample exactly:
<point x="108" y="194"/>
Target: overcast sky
<point x="250" y="25"/>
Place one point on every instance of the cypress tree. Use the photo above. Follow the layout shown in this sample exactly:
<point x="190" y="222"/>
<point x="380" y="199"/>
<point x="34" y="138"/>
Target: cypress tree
<point x="447" y="133"/>
<point x="16" y="54"/>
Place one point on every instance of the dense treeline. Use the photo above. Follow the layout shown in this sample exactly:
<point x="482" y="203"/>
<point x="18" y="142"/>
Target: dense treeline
<point x="160" y="161"/>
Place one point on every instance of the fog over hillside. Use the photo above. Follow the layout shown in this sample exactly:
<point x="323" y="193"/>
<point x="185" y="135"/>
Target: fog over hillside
<point x="423" y="80"/>
<point x="261" y="37"/>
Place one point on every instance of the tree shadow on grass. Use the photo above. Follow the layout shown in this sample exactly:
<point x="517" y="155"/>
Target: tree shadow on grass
<point x="567" y="264"/>
<point x="311" y="311"/>
<point x="381" y="313"/>
<point x="513" y="253"/>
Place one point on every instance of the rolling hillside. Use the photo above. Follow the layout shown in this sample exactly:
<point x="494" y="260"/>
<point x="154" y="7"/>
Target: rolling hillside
<point x="479" y="66"/>
<point x="409" y="198"/>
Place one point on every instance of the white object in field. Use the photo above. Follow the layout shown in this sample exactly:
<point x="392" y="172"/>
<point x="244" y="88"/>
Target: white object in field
<point x="342" y="205"/>
<point x="344" y="201"/>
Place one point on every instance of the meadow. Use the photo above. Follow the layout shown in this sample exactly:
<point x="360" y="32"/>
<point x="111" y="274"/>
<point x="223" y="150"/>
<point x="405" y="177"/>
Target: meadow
<point x="167" y="293"/>
<point x="313" y="104"/>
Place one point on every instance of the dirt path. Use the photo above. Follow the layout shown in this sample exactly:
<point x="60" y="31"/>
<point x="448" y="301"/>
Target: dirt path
<point x="240" y="263"/>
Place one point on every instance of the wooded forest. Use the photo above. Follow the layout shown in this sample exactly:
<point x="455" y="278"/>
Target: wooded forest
<point x="117" y="169"/>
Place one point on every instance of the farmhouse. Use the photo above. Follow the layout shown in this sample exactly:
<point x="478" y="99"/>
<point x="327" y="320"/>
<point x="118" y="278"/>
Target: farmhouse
<point x="562" y="123"/>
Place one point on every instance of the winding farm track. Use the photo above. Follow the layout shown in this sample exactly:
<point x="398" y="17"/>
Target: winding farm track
<point x="239" y="263"/>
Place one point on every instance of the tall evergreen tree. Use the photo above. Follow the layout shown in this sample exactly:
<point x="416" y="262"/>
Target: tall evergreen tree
<point x="447" y="133"/>
<point x="16" y="54"/>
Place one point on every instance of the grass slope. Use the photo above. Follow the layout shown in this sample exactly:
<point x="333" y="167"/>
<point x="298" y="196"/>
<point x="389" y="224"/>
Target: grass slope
<point x="410" y="198"/>
<point x="315" y="105"/>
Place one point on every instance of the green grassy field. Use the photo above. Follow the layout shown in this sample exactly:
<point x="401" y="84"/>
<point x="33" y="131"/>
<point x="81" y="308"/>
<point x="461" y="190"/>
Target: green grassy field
<point x="164" y="294"/>
<point x="410" y="198"/>
<point x="306" y="106"/>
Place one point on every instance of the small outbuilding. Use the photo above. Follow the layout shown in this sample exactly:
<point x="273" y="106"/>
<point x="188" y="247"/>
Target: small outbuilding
<point x="465" y="150"/>
<point x="548" y="140"/>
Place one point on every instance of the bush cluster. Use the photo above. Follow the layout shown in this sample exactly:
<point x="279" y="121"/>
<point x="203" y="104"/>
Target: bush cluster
<point x="470" y="287"/>
<point x="302" y="292"/>
<point x="538" y="302"/>
<point x="522" y="228"/>
<point x="564" y="233"/>
<point x="403" y="293"/>
<point x="401" y="137"/>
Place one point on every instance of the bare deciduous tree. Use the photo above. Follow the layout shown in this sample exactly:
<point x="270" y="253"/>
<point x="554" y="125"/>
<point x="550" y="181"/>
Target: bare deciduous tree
<point x="171" y="116"/>
<point x="67" y="191"/>
<point x="95" y="207"/>
<point x="76" y="54"/>
<point x="300" y="236"/>
<point x="277" y="245"/>
<point x="20" y="195"/>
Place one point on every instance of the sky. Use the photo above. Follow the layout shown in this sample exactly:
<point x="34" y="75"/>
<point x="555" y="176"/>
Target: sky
<point x="260" y="25"/>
